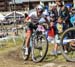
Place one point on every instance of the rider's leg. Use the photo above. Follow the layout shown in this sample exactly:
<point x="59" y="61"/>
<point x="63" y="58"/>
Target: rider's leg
<point x="28" y="34"/>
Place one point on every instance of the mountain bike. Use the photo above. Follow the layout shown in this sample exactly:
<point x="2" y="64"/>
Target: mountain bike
<point x="38" y="46"/>
<point x="69" y="44"/>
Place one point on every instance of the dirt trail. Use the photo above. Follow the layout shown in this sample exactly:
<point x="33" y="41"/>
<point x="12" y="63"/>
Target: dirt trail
<point x="12" y="58"/>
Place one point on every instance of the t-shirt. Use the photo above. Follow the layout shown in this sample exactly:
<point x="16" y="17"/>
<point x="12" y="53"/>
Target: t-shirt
<point x="51" y="32"/>
<point x="59" y="28"/>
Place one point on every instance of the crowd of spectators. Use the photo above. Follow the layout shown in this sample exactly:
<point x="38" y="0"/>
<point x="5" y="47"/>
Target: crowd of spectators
<point x="62" y="18"/>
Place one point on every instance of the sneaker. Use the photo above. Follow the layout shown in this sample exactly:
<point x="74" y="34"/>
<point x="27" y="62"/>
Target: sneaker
<point x="58" y="52"/>
<point x="26" y="51"/>
<point x="53" y="53"/>
<point x="65" y="51"/>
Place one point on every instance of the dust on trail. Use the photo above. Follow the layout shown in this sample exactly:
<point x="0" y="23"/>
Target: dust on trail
<point x="13" y="58"/>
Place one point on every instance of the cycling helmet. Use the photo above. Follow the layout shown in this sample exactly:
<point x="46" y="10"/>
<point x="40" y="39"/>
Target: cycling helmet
<point x="40" y="8"/>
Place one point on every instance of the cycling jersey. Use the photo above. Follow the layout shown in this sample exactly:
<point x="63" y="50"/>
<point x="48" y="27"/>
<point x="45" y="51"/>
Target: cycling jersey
<point x="35" y="19"/>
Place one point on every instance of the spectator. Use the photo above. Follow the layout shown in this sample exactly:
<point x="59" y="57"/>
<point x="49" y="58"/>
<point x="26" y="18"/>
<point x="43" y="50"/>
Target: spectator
<point x="56" y="10"/>
<point x="65" y="14"/>
<point x="59" y="29"/>
<point x="72" y="20"/>
<point x="51" y="32"/>
<point x="61" y="10"/>
<point x="52" y="15"/>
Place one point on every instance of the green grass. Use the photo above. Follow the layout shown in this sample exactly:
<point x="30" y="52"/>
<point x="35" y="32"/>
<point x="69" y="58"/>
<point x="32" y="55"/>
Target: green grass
<point x="8" y="44"/>
<point x="50" y="58"/>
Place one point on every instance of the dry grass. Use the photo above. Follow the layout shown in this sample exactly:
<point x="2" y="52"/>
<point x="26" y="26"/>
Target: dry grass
<point x="11" y="57"/>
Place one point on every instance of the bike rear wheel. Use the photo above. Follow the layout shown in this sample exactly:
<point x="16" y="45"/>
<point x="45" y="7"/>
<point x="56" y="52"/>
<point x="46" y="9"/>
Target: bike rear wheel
<point x="39" y="48"/>
<point x="68" y="43"/>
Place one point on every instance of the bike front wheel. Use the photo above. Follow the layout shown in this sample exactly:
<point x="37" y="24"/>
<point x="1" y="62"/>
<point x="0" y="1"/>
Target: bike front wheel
<point x="68" y="44"/>
<point x="39" y="48"/>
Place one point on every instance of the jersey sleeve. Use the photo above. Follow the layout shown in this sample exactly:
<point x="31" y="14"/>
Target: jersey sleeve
<point x="30" y="15"/>
<point x="46" y="14"/>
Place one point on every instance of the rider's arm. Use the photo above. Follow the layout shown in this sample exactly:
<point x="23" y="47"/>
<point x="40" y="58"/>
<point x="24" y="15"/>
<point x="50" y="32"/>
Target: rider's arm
<point x="46" y="16"/>
<point x="27" y="19"/>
